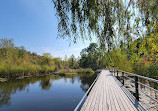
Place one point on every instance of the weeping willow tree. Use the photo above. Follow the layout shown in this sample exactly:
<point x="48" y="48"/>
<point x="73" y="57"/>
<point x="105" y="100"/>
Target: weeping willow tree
<point x="108" y="20"/>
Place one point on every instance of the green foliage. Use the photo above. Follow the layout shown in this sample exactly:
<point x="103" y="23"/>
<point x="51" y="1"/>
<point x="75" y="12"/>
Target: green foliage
<point x="68" y="71"/>
<point x="72" y="62"/>
<point x="17" y="62"/>
<point x="140" y="56"/>
<point x="127" y="28"/>
<point x="47" y="69"/>
<point x="85" y="71"/>
<point x="77" y="71"/>
<point x="109" y="20"/>
<point x="90" y="57"/>
<point x="18" y="70"/>
<point x="58" y="63"/>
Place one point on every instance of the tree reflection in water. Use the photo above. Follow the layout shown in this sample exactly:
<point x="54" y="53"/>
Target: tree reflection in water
<point x="4" y="98"/>
<point x="45" y="82"/>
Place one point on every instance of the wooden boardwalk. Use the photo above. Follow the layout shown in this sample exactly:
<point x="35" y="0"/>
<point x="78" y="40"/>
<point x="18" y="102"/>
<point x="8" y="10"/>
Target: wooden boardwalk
<point x="107" y="95"/>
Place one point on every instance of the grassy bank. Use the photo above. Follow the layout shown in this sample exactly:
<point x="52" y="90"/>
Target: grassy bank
<point x="11" y="71"/>
<point x="76" y="71"/>
<point x="8" y="71"/>
<point x="16" y="62"/>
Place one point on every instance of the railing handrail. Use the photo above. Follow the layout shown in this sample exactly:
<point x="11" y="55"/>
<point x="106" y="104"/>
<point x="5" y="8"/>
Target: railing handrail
<point x="86" y="93"/>
<point x="142" y="84"/>
<point x="151" y="79"/>
<point x="137" y="82"/>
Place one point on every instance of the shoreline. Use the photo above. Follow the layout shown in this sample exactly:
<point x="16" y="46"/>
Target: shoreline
<point x="40" y="75"/>
<point x="22" y="77"/>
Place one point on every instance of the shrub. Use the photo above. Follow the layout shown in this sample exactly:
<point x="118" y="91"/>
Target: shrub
<point x="3" y="70"/>
<point x="85" y="71"/>
<point x="47" y="69"/>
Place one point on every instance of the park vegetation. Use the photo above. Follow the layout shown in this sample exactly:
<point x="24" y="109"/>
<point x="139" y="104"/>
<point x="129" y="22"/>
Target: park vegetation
<point x="18" y="62"/>
<point x="77" y="71"/>
<point x="126" y="30"/>
<point x="140" y="56"/>
<point x="127" y="33"/>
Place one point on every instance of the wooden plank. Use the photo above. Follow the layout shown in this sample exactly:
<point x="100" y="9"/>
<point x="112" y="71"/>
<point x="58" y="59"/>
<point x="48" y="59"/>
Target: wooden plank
<point x="118" y="100"/>
<point x="95" y="98"/>
<point x="90" y="98"/>
<point x="96" y="105"/>
<point x="107" y="95"/>
<point x="101" y="97"/>
<point x="116" y="103"/>
<point x="128" y="105"/>
<point x="105" y="107"/>
<point x="130" y="96"/>
<point x="111" y="105"/>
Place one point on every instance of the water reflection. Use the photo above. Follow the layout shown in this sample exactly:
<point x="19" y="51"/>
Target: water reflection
<point x="46" y="83"/>
<point x="4" y="98"/>
<point x="86" y="82"/>
<point x="75" y="84"/>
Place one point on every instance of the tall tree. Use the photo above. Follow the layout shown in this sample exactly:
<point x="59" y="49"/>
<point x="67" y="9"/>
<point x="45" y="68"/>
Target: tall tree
<point x="90" y="57"/>
<point x="108" y="20"/>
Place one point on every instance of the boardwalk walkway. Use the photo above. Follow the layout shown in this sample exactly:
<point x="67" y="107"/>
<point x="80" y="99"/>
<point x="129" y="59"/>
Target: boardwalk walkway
<point x="107" y="95"/>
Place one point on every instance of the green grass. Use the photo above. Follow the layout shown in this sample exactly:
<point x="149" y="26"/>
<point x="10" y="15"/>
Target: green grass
<point x="76" y="71"/>
<point x="85" y="71"/>
<point x="21" y="70"/>
<point x="8" y="71"/>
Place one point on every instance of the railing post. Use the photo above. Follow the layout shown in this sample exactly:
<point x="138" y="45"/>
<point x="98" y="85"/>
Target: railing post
<point x="123" y="78"/>
<point x="136" y="88"/>
<point x="114" y="71"/>
<point x="117" y="73"/>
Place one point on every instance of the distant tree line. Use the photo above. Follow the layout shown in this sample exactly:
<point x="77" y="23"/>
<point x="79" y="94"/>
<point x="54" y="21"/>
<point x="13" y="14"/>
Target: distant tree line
<point x="16" y="61"/>
<point x="140" y="56"/>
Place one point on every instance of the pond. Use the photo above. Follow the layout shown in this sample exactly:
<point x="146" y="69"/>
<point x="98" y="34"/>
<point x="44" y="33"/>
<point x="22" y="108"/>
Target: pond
<point x="49" y="93"/>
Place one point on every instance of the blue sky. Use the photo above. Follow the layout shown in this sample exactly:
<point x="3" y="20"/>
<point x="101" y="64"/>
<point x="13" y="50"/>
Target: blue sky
<point x="33" y="24"/>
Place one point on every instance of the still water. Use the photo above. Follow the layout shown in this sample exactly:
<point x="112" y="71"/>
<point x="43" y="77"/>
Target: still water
<point x="46" y="93"/>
